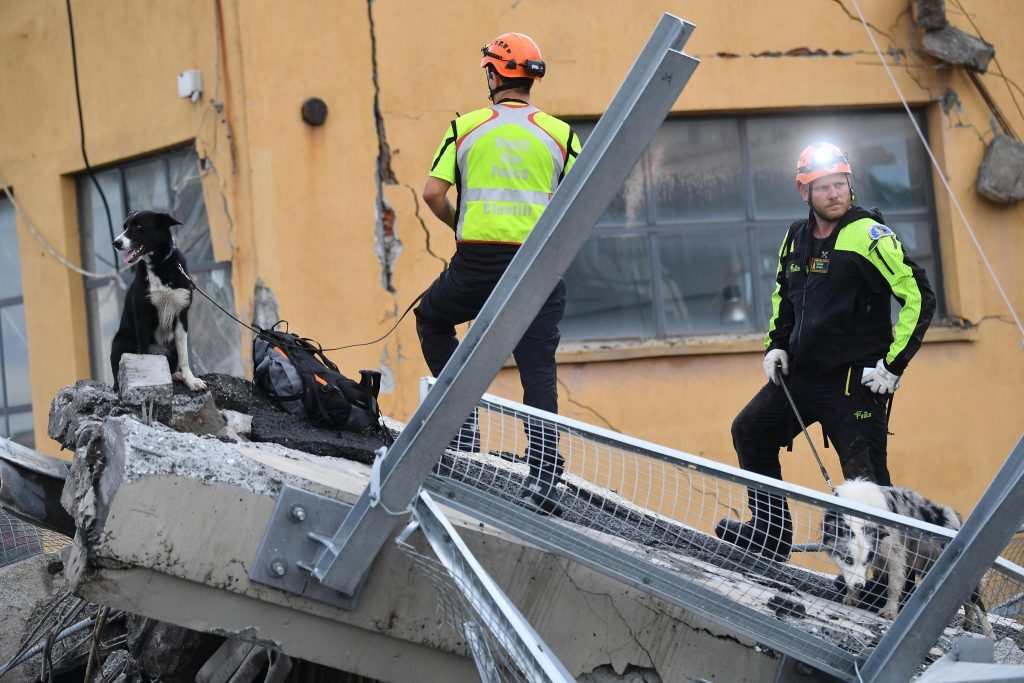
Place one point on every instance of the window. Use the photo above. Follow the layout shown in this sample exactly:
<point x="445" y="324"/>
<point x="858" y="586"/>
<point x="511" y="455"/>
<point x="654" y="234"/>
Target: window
<point x="689" y="245"/>
<point x="15" y="388"/>
<point x="167" y="181"/>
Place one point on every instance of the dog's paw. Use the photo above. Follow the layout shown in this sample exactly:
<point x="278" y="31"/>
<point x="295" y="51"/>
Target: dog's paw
<point x="195" y="384"/>
<point x="178" y="377"/>
<point x="850" y="599"/>
<point x="887" y="613"/>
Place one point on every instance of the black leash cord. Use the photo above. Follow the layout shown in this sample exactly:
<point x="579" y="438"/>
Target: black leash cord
<point x="792" y="404"/>
<point x="260" y="332"/>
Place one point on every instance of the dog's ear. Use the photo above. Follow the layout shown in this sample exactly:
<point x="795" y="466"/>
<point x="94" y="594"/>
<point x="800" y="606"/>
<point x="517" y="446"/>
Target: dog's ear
<point x="167" y="220"/>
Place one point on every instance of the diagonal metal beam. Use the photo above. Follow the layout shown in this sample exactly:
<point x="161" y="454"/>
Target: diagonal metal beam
<point x="638" y="108"/>
<point x="529" y="651"/>
<point x="956" y="573"/>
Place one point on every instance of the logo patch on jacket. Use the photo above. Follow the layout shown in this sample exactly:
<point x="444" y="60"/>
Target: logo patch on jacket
<point x="877" y="232"/>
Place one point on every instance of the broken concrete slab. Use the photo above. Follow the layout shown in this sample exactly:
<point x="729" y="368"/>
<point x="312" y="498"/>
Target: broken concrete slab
<point x="27" y="588"/>
<point x="86" y="402"/>
<point x="1001" y="174"/>
<point x="165" y="652"/>
<point x="196" y="413"/>
<point x="929" y="14"/>
<point x="954" y="46"/>
<point x="142" y="378"/>
<point x="31" y="483"/>
<point x="171" y="522"/>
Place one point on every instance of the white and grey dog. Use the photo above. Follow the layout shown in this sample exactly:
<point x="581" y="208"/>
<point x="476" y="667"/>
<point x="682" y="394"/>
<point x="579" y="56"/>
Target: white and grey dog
<point x="863" y="549"/>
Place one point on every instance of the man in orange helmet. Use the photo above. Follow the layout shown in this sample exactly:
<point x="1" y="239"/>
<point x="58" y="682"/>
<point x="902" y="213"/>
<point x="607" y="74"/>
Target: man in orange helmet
<point x="505" y="161"/>
<point x="831" y="334"/>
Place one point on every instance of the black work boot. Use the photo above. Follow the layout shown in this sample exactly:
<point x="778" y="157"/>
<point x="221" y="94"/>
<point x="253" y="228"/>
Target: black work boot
<point x="539" y="493"/>
<point x="769" y="531"/>
<point x="467" y="439"/>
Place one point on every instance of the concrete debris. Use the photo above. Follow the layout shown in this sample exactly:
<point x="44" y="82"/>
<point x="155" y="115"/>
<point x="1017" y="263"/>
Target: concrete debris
<point x="197" y="414"/>
<point x="84" y="404"/>
<point x="30" y="485"/>
<point x="954" y="46"/>
<point x="168" y="653"/>
<point x="237" y="426"/>
<point x="929" y="14"/>
<point x="1006" y="650"/>
<point x="144" y="377"/>
<point x="114" y="666"/>
<point x="1001" y="174"/>
<point x="27" y="589"/>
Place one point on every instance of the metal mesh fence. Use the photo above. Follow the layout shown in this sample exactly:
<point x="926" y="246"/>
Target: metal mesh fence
<point x="812" y="575"/>
<point x="456" y="611"/>
<point x="20" y="539"/>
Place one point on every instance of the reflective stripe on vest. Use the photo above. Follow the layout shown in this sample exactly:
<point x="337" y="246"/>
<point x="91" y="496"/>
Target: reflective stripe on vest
<point x="501" y="199"/>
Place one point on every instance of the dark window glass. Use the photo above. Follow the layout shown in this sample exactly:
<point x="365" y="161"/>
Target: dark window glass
<point x="15" y="384"/>
<point x="690" y="244"/>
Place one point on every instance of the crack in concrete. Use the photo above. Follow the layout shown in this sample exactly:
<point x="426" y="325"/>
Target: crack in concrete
<point x="388" y="245"/>
<point x="584" y="406"/>
<point x="423" y="224"/>
<point x="857" y="19"/>
<point x="615" y="608"/>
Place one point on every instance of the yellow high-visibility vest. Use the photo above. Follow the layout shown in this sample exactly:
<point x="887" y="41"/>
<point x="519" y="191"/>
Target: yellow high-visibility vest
<point x="506" y="161"/>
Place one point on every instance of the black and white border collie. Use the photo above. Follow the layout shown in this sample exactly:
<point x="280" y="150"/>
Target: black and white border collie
<point x="155" y="315"/>
<point x="863" y="549"/>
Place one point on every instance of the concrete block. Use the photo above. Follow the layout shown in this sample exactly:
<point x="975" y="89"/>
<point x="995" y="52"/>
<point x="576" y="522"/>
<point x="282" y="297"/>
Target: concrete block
<point x="144" y="377"/>
<point x="86" y="400"/>
<point x="197" y="414"/>
<point x="1001" y="174"/>
<point x="929" y="14"/>
<point x="237" y="426"/>
<point x="953" y="46"/>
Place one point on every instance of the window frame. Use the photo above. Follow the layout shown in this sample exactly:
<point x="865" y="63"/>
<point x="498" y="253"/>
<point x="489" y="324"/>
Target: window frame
<point x="754" y="230"/>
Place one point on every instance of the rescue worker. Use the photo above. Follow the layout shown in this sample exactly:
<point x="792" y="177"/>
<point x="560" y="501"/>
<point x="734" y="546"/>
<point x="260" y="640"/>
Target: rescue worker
<point x="831" y="334"/>
<point x="505" y="161"/>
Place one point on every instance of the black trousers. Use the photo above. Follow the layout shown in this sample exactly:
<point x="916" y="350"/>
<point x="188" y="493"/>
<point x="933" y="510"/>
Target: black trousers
<point x="457" y="296"/>
<point x="854" y="419"/>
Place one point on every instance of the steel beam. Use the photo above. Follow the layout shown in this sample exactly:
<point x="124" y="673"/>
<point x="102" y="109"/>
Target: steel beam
<point x="638" y="108"/>
<point x="956" y="573"/>
<point x="523" y="644"/>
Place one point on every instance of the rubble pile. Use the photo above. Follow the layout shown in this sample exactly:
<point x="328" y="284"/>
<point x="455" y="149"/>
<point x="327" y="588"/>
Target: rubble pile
<point x="49" y="631"/>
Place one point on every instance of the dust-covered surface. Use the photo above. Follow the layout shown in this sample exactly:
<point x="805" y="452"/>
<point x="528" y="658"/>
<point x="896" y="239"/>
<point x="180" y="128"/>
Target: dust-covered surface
<point x="809" y="600"/>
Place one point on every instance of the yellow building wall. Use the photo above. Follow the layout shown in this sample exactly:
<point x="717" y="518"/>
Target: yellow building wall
<point x="298" y="206"/>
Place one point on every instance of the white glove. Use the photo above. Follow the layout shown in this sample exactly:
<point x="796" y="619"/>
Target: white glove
<point x="880" y="380"/>
<point x="770" y="359"/>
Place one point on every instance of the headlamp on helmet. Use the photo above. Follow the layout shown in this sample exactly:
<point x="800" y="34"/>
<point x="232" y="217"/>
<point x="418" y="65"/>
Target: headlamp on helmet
<point x="819" y="160"/>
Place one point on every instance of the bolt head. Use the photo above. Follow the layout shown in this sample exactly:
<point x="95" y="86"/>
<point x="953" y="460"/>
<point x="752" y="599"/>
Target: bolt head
<point x="278" y="568"/>
<point x="297" y="513"/>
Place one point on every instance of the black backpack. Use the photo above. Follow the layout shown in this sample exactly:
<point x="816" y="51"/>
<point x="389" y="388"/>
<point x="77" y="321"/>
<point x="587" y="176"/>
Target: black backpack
<point x="294" y="371"/>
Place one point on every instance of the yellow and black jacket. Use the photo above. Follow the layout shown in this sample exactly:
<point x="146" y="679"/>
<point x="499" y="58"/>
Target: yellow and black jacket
<point x="832" y="310"/>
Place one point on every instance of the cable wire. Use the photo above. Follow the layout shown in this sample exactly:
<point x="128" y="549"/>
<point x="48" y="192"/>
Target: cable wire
<point x="81" y="132"/>
<point x="942" y="176"/>
<point x="46" y="245"/>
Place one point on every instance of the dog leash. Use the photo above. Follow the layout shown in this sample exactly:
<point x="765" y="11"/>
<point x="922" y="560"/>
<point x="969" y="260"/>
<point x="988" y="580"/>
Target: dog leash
<point x="792" y="404"/>
<point x="260" y="332"/>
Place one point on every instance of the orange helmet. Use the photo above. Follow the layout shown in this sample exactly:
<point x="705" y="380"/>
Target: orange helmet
<point x="818" y="160"/>
<point x="513" y="55"/>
